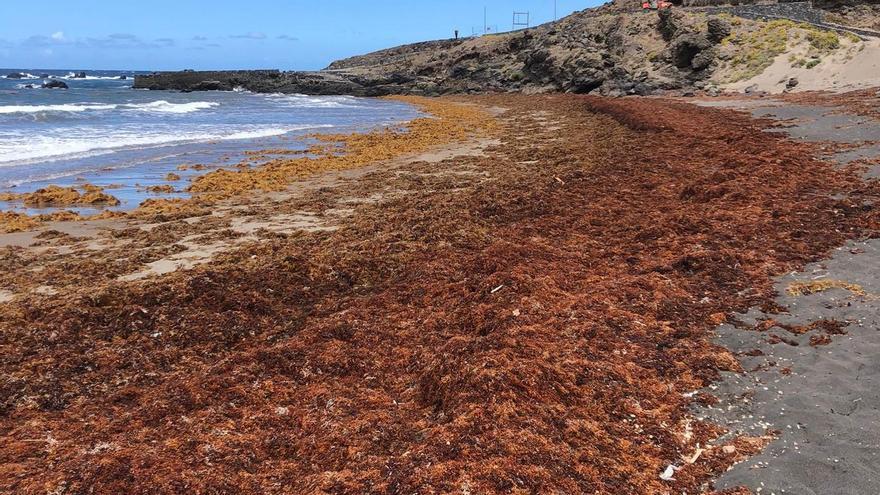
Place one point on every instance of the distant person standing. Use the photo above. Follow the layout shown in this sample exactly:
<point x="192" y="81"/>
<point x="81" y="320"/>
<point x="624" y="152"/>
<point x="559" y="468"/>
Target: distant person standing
<point x="456" y="34"/>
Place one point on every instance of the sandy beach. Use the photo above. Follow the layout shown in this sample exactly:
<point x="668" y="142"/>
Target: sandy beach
<point x="492" y="293"/>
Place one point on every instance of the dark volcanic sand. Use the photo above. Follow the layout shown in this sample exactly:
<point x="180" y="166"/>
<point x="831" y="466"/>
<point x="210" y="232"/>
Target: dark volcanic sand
<point x="828" y="407"/>
<point x="529" y="321"/>
<point x="820" y="390"/>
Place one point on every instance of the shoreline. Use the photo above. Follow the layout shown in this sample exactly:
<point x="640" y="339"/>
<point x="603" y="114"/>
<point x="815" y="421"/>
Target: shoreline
<point x="260" y="169"/>
<point x="473" y="294"/>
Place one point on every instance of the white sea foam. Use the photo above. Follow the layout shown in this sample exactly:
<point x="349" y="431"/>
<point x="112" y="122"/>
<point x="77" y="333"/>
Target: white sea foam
<point x="72" y="107"/>
<point x="258" y="134"/>
<point x="38" y="148"/>
<point x="72" y="75"/>
<point x="304" y="101"/>
<point x="160" y="106"/>
<point x="25" y="74"/>
<point x="163" y="106"/>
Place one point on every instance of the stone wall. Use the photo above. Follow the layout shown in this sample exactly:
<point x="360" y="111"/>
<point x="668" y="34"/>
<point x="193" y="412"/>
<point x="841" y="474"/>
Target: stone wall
<point x="794" y="11"/>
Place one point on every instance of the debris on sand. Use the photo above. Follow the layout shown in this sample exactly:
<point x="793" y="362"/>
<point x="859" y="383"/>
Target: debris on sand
<point x="56" y="196"/>
<point x="169" y="209"/>
<point x="816" y="286"/>
<point x="16" y="222"/>
<point x="160" y="189"/>
<point x="375" y="358"/>
<point x="448" y="122"/>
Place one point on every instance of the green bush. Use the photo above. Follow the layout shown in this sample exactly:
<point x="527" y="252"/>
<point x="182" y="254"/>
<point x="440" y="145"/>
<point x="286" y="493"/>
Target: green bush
<point x="823" y="40"/>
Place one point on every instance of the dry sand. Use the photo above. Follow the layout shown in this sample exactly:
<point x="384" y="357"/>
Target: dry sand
<point x="846" y="70"/>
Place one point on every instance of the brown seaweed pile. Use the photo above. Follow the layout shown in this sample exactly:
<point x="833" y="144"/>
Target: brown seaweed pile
<point x="447" y="123"/>
<point x="56" y="196"/>
<point x="539" y="330"/>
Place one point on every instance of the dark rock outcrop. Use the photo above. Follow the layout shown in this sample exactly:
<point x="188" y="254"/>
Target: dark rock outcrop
<point x="717" y="29"/>
<point x="688" y="51"/>
<point x="212" y="86"/>
<point x="273" y="81"/>
<point x="79" y="75"/>
<point x="670" y="23"/>
<point x="54" y="84"/>
<point x="15" y="75"/>
<point x="587" y="52"/>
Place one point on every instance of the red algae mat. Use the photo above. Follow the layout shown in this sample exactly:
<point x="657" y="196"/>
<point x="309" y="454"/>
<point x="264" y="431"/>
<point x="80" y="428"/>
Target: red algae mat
<point x="539" y="330"/>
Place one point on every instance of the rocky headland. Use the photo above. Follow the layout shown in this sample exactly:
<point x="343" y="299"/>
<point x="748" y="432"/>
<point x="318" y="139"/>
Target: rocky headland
<point x="611" y="50"/>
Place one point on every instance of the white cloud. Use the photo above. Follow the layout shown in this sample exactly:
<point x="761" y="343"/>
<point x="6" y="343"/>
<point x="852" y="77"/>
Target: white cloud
<point x="250" y="36"/>
<point x="58" y="36"/>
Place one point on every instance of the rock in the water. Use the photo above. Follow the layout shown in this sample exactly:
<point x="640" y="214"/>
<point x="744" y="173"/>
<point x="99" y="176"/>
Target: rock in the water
<point x="55" y="84"/>
<point x="28" y="86"/>
<point x="44" y="76"/>
<point x="718" y="29"/>
<point x="79" y="75"/>
<point x="123" y="77"/>
<point x="15" y="75"/>
<point x="211" y="86"/>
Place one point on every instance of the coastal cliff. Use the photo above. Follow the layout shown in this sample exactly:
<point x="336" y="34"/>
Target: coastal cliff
<point x="610" y="50"/>
<point x="590" y="51"/>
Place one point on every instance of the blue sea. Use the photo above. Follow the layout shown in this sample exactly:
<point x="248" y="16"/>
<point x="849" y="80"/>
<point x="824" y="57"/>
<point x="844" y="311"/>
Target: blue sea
<point x="103" y="132"/>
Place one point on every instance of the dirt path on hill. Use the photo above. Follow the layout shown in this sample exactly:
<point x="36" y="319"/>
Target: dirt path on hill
<point x="532" y="318"/>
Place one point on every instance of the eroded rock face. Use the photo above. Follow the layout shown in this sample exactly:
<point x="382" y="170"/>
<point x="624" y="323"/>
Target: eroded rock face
<point x="670" y="23"/>
<point x="717" y="29"/>
<point x="587" y="52"/>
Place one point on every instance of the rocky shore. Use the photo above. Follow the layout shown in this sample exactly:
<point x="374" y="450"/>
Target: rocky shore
<point x="611" y="50"/>
<point x="271" y="81"/>
<point x="594" y="51"/>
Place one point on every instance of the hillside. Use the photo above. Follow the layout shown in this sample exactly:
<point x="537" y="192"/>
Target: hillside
<point x="613" y="49"/>
<point x="609" y="51"/>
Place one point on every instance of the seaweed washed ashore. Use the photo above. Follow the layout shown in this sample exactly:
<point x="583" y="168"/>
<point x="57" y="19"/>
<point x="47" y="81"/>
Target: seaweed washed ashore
<point x="532" y="317"/>
<point x="447" y="123"/>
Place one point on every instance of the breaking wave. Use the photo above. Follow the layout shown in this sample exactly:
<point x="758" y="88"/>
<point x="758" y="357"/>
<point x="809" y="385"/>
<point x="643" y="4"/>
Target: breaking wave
<point x="160" y="106"/>
<point x="45" y="148"/>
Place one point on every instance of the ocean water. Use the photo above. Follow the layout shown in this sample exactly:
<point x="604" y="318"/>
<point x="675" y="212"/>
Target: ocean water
<point x="104" y="132"/>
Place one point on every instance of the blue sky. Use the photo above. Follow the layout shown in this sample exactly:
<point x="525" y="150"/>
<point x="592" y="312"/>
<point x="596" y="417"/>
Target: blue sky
<point x="227" y="34"/>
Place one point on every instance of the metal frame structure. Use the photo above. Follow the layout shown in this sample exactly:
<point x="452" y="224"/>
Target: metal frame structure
<point x="521" y="20"/>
